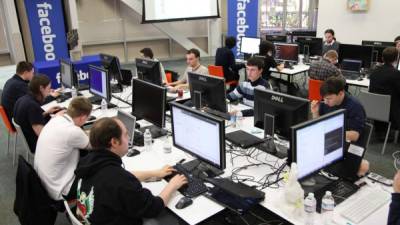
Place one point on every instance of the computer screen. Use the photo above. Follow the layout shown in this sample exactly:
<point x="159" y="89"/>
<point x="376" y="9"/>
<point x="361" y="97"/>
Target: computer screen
<point x="288" y="110"/>
<point x="99" y="82"/>
<point x="129" y="121"/>
<point x="276" y="38"/>
<point x="212" y="90"/>
<point x="148" y="70"/>
<point x="112" y="65"/>
<point x="357" y="52"/>
<point x="303" y="33"/>
<point x="318" y="143"/>
<point x="67" y="74"/>
<point x="149" y="101"/>
<point x="287" y="52"/>
<point x="313" y="44"/>
<point x="199" y="134"/>
<point x="250" y="45"/>
<point x="351" y="65"/>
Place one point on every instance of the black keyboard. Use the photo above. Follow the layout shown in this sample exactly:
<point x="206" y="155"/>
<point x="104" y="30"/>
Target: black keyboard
<point x="340" y="190"/>
<point x="223" y="115"/>
<point x="194" y="187"/>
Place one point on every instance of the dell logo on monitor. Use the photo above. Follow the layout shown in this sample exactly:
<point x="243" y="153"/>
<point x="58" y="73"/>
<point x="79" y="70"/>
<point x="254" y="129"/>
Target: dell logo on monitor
<point x="203" y="78"/>
<point x="277" y="98"/>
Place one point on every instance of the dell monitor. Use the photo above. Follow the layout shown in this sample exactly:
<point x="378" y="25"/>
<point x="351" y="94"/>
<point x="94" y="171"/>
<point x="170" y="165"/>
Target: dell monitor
<point x="68" y="77"/>
<point x="201" y="135"/>
<point x="99" y="84"/>
<point x="310" y="45"/>
<point x="356" y="52"/>
<point x="378" y="47"/>
<point x="207" y="91"/>
<point x="250" y="45"/>
<point x="112" y="65"/>
<point x="286" y="109"/>
<point x="276" y="38"/>
<point x="287" y="52"/>
<point x="148" y="102"/>
<point x="148" y="70"/>
<point x="318" y="143"/>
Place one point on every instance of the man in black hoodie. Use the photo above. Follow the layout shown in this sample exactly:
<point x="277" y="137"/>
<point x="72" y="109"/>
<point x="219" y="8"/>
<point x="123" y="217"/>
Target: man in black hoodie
<point x="107" y="193"/>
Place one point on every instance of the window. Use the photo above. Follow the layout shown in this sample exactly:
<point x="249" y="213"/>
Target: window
<point x="280" y="15"/>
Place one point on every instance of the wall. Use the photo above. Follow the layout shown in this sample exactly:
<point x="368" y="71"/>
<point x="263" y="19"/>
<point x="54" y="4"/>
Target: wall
<point x="381" y="22"/>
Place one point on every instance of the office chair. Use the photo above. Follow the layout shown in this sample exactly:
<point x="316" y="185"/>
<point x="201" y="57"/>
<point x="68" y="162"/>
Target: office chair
<point x="10" y="129"/>
<point x="25" y="145"/>
<point x="71" y="216"/>
<point x="366" y="135"/>
<point x="313" y="89"/>
<point x="218" y="71"/>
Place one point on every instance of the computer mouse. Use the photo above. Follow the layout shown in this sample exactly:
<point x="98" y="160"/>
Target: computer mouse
<point x="183" y="202"/>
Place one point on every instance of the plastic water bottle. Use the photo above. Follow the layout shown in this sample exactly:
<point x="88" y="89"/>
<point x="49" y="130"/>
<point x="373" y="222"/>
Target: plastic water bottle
<point x="167" y="145"/>
<point x="103" y="104"/>
<point x="310" y="206"/>
<point x="147" y="140"/>
<point x="74" y="92"/>
<point x="327" y="207"/>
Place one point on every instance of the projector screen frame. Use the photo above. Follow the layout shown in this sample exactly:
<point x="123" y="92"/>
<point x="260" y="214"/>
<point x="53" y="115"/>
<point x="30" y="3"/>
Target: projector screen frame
<point x="144" y="21"/>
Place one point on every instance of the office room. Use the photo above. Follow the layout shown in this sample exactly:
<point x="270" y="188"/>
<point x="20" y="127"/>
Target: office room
<point x="199" y="112"/>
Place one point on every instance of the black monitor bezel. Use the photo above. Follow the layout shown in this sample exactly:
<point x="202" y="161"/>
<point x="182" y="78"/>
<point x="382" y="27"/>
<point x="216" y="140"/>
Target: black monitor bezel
<point x="287" y="44"/>
<point x="310" y="39"/>
<point x="108" y="98"/>
<point x="74" y="81"/>
<point x="207" y="116"/>
<point x="341" y="57"/>
<point x="293" y="139"/>
<point x="281" y="36"/>
<point x="241" y="43"/>
<point x="156" y="65"/>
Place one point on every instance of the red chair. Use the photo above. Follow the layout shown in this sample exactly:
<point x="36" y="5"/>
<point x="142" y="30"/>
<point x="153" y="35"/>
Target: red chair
<point x="168" y="75"/>
<point x="218" y="71"/>
<point x="9" y="127"/>
<point x="313" y="89"/>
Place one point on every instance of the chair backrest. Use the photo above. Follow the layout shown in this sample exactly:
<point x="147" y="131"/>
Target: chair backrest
<point x="168" y="75"/>
<point x="217" y="71"/>
<point x="377" y="106"/>
<point x="313" y="89"/>
<point x="21" y="135"/>
<point x="72" y="217"/>
<point x="366" y="136"/>
<point x="5" y="119"/>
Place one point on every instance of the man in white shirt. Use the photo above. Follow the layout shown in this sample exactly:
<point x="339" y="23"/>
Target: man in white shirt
<point x="57" y="149"/>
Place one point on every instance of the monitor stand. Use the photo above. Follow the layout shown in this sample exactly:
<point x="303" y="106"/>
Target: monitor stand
<point x="116" y="88"/>
<point x="201" y="169"/>
<point x="96" y="100"/>
<point x="155" y="131"/>
<point x="268" y="146"/>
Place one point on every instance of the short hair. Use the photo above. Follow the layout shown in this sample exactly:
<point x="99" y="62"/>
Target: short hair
<point x="330" y="31"/>
<point x="230" y="42"/>
<point x="24" y="66"/>
<point x="193" y="51"/>
<point x="389" y="55"/>
<point x="397" y="39"/>
<point x="147" y="52"/>
<point x="331" y="54"/>
<point x="265" y="47"/>
<point x="332" y="85"/>
<point x="102" y="131"/>
<point x="38" y="81"/>
<point x="79" y="106"/>
<point x="254" y="61"/>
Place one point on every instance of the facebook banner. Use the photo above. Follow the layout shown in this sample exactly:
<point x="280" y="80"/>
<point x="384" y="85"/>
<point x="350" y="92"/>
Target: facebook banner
<point x="242" y="20"/>
<point x="46" y="23"/>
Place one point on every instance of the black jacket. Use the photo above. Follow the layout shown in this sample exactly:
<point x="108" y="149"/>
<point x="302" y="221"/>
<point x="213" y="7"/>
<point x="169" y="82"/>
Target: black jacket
<point x="386" y="80"/>
<point x="224" y="57"/>
<point x="13" y="89"/>
<point x="113" y="195"/>
<point x="394" y="211"/>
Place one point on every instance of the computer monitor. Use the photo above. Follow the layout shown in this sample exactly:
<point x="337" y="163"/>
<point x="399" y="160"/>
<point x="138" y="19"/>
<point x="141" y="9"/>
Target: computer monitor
<point x="276" y="38"/>
<point x="357" y="52"/>
<point x="303" y="33"/>
<point x="288" y="110"/>
<point x="351" y="65"/>
<point x="148" y="70"/>
<point x="312" y="44"/>
<point x="287" y="52"/>
<point x="207" y="91"/>
<point x="129" y="121"/>
<point x="112" y="65"/>
<point x="318" y="143"/>
<point x="148" y="102"/>
<point x="199" y="134"/>
<point x="378" y="47"/>
<point x="68" y="77"/>
<point x="99" y="82"/>
<point x="250" y="45"/>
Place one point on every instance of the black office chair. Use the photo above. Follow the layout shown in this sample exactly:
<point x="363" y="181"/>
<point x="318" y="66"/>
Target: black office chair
<point x="366" y="136"/>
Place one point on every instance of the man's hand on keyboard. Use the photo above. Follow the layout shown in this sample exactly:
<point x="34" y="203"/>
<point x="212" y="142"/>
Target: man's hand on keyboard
<point x="165" y="171"/>
<point x="177" y="182"/>
<point x="396" y="182"/>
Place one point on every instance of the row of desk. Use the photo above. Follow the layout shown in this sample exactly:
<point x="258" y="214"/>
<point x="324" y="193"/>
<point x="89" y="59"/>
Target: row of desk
<point x="202" y="207"/>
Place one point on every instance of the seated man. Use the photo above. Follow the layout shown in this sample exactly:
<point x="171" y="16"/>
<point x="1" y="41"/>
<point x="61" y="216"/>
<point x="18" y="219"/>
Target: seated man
<point x="332" y="91"/>
<point x="193" y="62"/>
<point x="107" y="193"/>
<point x="147" y="53"/>
<point x="322" y="70"/>
<point x="397" y="42"/>
<point x="245" y="90"/>
<point x="224" y="57"/>
<point x="267" y="50"/>
<point x="394" y="210"/>
<point x="28" y="112"/>
<point x="57" y="150"/>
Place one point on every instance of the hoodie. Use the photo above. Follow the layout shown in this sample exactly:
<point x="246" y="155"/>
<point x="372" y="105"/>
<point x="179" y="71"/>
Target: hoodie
<point x="108" y="194"/>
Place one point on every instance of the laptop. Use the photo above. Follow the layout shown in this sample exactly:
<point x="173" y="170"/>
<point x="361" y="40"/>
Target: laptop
<point x="243" y="139"/>
<point x="130" y="122"/>
<point x="351" y="68"/>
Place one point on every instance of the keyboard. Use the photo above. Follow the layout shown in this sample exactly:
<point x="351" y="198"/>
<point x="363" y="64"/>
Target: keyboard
<point x="194" y="187"/>
<point x="214" y="112"/>
<point x="364" y="206"/>
<point x="340" y="190"/>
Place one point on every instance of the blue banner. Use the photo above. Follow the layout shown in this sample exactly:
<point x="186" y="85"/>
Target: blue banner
<point x="242" y="20"/>
<point x="46" y="23"/>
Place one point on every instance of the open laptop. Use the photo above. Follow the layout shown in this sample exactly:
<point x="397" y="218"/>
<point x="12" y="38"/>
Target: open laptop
<point x="351" y="68"/>
<point x="129" y="121"/>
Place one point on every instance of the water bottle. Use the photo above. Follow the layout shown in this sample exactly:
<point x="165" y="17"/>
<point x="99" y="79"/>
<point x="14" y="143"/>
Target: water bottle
<point x="310" y="206"/>
<point x="74" y="92"/>
<point x="167" y="145"/>
<point x="233" y="119"/>
<point x="147" y="140"/>
<point x="103" y="104"/>
<point x="327" y="207"/>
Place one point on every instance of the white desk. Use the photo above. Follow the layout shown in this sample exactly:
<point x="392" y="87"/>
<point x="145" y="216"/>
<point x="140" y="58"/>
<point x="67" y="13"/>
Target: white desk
<point x="364" y="83"/>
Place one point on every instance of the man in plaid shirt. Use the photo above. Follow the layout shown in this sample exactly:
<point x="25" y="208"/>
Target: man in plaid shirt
<point x="325" y="68"/>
